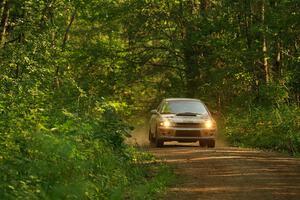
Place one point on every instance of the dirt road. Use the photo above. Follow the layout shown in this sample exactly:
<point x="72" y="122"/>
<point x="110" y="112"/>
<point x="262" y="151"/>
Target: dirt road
<point x="226" y="173"/>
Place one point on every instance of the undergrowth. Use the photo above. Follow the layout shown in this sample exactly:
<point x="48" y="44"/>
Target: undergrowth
<point x="53" y="152"/>
<point x="276" y="128"/>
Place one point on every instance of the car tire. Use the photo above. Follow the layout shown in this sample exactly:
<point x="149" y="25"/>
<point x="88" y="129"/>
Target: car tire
<point x="151" y="138"/>
<point x="159" y="143"/>
<point x="211" y="143"/>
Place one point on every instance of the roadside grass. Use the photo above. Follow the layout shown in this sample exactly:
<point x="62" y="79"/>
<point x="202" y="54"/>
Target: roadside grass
<point x="276" y="129"/>
<point x="151" y="177"/>
<point x="153" y="186"/>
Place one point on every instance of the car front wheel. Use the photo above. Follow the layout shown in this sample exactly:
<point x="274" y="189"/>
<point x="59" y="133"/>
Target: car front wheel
<point x="158" y="142"/>
<point x="151" y="138"/>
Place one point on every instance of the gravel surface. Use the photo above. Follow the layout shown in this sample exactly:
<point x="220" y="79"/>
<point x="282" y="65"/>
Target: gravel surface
<point x="226" y="173"/>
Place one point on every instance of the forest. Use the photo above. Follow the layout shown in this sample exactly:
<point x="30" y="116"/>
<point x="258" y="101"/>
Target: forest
<point x="76" y="76"/>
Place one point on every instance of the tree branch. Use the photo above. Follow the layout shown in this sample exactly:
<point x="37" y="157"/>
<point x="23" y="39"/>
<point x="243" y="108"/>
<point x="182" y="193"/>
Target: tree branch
<point x="66" y="35"/>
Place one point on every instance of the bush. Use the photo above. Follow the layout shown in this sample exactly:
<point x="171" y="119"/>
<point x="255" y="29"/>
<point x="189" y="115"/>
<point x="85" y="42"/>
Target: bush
<point x="49" y="152"/>
<point x="275" y="128"/>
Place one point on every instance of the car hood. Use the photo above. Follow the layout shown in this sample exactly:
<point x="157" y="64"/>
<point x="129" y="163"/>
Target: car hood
<point x="185" y="119"/>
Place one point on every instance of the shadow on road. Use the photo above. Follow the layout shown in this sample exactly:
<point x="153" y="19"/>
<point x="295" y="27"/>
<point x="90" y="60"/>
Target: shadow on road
<point x="231" y="173"/>
<point x="225" y="173"/>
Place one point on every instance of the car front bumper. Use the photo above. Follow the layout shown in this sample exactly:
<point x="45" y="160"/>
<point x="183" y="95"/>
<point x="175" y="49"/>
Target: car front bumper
<point x="185" y="134"/>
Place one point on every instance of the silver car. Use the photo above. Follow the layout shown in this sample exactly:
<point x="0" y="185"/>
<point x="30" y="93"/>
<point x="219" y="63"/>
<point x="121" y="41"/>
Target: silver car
<point x="182" y="120"/>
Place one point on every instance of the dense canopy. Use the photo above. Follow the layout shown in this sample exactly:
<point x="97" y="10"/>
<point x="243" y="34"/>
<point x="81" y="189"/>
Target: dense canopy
<point x="75" y="75"/>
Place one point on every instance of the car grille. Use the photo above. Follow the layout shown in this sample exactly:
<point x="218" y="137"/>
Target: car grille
<point x="188" y="125"/>
<point x="181" y="133"/>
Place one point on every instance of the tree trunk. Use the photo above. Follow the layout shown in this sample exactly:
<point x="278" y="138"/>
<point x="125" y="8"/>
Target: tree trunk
<point x="248" y="23"/>
<point x="190" y="59"/>
<point x="4" y="21"/>
<point x="203" y="7"/>
<point x="277" y="65"/>
<point x="66" y="36"/>
<point x="192" y="52"/>
<point x="266" y="66"/>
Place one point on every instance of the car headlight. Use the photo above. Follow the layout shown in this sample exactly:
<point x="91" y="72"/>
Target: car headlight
<point x="208" y="124"/>
<point x="165" y="123"/>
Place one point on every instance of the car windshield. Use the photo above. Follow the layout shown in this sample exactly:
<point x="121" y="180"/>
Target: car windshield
<point x="175" y="107"/>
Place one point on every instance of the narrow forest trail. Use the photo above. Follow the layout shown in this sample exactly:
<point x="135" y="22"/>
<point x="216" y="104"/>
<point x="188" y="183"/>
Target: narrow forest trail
<point x="226" y="173"/>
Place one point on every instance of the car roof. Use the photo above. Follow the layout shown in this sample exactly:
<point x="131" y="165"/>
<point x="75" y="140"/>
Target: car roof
<point x="181" y="99"/>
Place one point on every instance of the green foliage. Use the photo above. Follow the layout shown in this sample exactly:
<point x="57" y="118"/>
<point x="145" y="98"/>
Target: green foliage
<point x="273" y="94"/>
<point x="70" y="161"/>
<point x="271" y="128"/>
<point x="74" y="74"/>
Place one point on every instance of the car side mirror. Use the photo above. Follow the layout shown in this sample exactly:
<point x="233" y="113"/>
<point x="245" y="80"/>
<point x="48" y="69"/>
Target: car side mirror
<point x="153" y="112"/>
